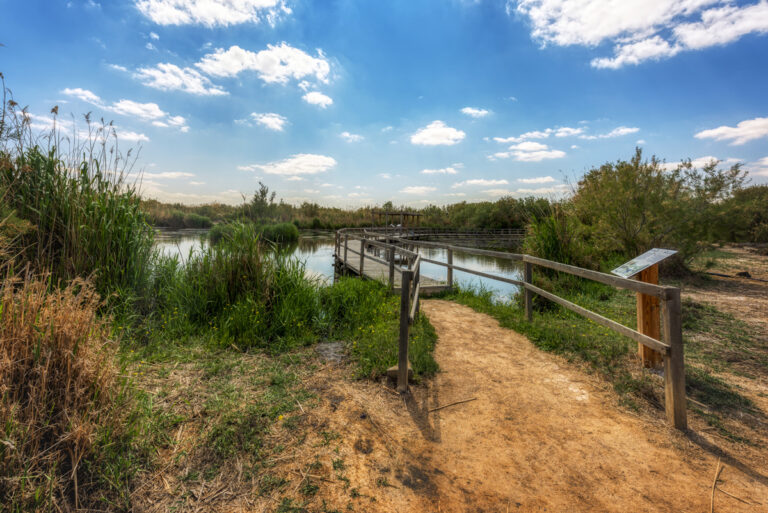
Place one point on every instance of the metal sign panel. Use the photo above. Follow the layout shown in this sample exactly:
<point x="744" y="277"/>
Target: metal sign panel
<point x="642" y="262"/>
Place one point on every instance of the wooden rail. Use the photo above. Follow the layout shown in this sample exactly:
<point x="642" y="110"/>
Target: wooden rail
<point x="409" y="267"/>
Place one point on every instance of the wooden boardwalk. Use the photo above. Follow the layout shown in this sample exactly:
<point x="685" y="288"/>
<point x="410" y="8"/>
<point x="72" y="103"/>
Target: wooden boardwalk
<point x="379" y="271"/>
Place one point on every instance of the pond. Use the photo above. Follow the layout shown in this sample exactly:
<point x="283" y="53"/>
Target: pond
<point x="315" y="249"/>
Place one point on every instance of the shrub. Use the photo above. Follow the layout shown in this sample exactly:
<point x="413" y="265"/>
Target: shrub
<point x="58" y="378"/>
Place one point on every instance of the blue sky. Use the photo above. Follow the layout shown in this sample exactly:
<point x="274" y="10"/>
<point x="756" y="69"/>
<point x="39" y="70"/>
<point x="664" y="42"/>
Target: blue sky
<point x="359" y="102"/>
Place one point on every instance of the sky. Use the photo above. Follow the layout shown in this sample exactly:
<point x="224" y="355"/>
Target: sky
<point x="351" y="103"/>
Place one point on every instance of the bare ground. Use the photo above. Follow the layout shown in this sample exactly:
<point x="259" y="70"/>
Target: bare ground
<point x="539" y="436"/>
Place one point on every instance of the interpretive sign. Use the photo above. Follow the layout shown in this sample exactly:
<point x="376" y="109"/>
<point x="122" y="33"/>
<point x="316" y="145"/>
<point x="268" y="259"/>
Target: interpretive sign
<point x="644" y="261"/>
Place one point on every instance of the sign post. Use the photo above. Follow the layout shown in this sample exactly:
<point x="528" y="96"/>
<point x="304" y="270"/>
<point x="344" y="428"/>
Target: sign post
<point x="646" y="268"/>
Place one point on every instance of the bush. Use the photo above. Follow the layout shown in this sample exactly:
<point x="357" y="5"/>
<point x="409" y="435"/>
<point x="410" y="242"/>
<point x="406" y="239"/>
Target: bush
<point x="59" y="384"/>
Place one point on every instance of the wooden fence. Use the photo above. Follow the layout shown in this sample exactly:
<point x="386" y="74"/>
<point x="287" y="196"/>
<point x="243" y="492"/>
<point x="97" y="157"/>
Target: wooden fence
<point x="409" y="267"/>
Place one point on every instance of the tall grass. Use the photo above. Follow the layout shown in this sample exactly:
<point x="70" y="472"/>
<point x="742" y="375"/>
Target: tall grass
<point x="59" y="386"/>
<point x="86" y="215"/>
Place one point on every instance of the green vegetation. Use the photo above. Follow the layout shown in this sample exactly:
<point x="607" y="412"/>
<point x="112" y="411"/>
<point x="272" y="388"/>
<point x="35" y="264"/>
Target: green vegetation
<point x="88" y="306"/>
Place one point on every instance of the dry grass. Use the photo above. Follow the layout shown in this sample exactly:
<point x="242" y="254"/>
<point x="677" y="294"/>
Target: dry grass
<point x="57" y="378"/>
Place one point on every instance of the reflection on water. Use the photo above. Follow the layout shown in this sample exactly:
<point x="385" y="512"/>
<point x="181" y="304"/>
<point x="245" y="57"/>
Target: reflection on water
<point x="315" y="249"/>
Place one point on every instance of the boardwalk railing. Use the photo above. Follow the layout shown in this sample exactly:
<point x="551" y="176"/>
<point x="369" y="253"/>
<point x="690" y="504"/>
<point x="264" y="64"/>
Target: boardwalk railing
<point x="409" y="267"/>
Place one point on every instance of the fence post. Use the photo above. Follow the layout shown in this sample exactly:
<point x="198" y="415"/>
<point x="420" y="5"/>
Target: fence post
<point x="450" y="268"/>
<point x="362" y="255"/>
<point x="391" y="267"/>
<point x="528" y="278"/>
<point x="402" y="354"/>
<point x="346" y="246"/>
<point x="674" y="363"/>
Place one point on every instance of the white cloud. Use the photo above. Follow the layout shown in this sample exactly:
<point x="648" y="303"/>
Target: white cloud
<point x="437" y="133"/>
<point x="351" y="137"/>
<point x="294" y="179"/>
<point x="150" y="46"/>
<point x="277" y="64"/>
<point x="299" y="164"/>
<point x="127" y="135"/>
<point x="319" y="99"/>
<point x="528" y="146"/>
<point x="117" y="67"/>
<point x="567" y="131"/>
<point x="169" y="77"/>
<point x="212" y="13"/>
<point x="196" y="183"/>
<point x="558" y="189"/>
<point x="744" y="132"/>
<point x="154" y="36"/>
<point x="538" y="156"/>
<point x="538" y="179"/>
<point x="479" y="181"/>
<point x="574" y="146"/>
<point x="497" y="192"/>
<point x="641" y="30"/>
<point x="455" y="194"/>
<point x="168" y="175"/>
<point x="474" y="112"/>
<point x="83" y="95"/>
<point x="385" y="176"/>
<point x="640" y="141"/>
<point x="529" y="151"/>
<point x="270" y="120"/>
<point x="616" y="132"/>
<point x="441" y="171"/>
<point x="139" y="110"/>
<point x="418" y="189"/>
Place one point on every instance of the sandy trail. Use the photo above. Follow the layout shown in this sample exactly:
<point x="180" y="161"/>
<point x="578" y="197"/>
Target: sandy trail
<point x="541" y="436"/>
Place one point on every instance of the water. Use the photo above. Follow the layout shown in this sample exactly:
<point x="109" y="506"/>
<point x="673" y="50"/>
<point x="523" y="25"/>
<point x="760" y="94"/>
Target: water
<point x="315" y="249"/>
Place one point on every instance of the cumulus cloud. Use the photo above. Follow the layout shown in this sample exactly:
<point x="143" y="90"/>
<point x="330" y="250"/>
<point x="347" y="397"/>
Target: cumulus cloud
<point x="143" y="111"/>
<point x="641" y="30"/>
<point x="169" y="77"/>
<point x="538" y="179"/>
<point x="564" y="131"/>
<point x="349" y="137"/>
<point x="319" y="99"/>
<point x="168" y="175"/>
<point x="479" y="181"/>
<point x="212" y="13"/>
<point x="616" y="132"/>
<point x="277" y="64"/>
<point x="127" y="135"/>
<point x="437" y="133"/>
<point x="295" y="165"/>
<point x="474" y="112"/>
<point x="83" y="95"/>
<point x="441" y="171"/>
<point x="147" y="111"/>
<point x="418" y="189"/>
<point x="270" y="120"/>
<point x="742" y="133"/>
<point x="528" y="146"/>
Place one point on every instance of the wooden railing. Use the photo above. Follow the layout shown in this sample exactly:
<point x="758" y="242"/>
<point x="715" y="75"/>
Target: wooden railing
<point x="671" y="344"/>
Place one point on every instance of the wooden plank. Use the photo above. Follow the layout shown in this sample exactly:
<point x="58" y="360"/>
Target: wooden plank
<point x="674" y="363"/>
<point x="648" y="318"/>
<point x="402" y="354"/>
<point x="604" y="321"/>
<point x="391" y="252"/>
<point x="616" y="281"/>
<point x="449" y="272"/>
<point x="414" y="302"/>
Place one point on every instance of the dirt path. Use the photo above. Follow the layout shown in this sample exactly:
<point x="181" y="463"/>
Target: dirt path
<point x="540" y="436"/>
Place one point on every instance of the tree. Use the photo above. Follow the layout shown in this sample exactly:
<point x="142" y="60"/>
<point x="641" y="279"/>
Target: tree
<point x="636" y="205"/>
